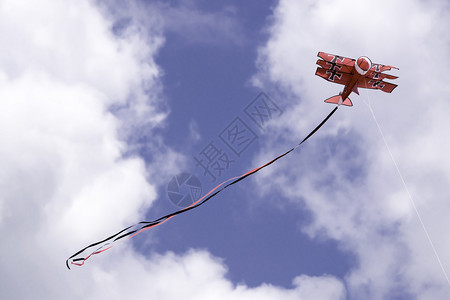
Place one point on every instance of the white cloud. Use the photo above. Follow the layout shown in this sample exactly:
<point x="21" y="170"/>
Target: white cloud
<point x="64" y="178"/>
<point x="346" y="176"/>
<point x="185" y="19"/>
<point x="198" y="26"/>
<point x="197" y="275"/>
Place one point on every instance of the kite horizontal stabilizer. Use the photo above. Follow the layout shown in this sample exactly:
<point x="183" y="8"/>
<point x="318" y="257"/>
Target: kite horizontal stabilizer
<point x="338" y="100"/>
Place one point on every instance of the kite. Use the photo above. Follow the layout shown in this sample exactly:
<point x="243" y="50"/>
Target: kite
<point x="349" y="72"/>
<point x="354" y="74"/>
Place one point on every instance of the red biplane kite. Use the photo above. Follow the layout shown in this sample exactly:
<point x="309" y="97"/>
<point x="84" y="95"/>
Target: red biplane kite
<point x="351" y="73"/>
<point x="354" y="74"/>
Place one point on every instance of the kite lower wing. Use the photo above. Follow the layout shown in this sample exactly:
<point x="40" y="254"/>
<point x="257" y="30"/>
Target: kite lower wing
<point x="370" y="83"/>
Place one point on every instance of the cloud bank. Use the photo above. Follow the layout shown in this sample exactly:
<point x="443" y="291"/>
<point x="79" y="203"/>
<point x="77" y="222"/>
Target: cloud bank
<point x="74" y="85"/>
<point x="347" y="179"/>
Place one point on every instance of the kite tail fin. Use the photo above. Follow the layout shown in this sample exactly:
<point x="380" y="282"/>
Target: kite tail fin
<point x="338" y="100"/>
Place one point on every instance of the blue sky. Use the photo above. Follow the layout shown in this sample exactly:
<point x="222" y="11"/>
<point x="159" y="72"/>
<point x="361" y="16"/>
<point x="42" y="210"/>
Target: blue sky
<point x="102" y="103"/>
<point x="207" y="84"/>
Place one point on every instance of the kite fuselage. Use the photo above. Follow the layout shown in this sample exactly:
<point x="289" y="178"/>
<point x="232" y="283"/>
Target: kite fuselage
<point x="351" y="86"/>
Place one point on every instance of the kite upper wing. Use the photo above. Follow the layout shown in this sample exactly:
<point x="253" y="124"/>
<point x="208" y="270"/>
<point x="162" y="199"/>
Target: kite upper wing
<point x="381" y="68"/>
<point x="336" y="59"/>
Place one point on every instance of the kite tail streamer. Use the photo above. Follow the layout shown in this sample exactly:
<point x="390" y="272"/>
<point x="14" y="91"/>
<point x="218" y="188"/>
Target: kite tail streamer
<point x="103" y="245"/>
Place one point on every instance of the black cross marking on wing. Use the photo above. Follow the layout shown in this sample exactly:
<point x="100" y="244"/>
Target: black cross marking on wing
<point x="377" y="83"/>
<point x="333" y="74"/>
<point x="333" y="65"/>
<point x="336" y="58"/>
<point x="376" y="75"/>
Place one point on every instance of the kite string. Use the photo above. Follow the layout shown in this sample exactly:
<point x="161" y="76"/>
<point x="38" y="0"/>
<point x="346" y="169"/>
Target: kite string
<point x="411" y="199"/>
